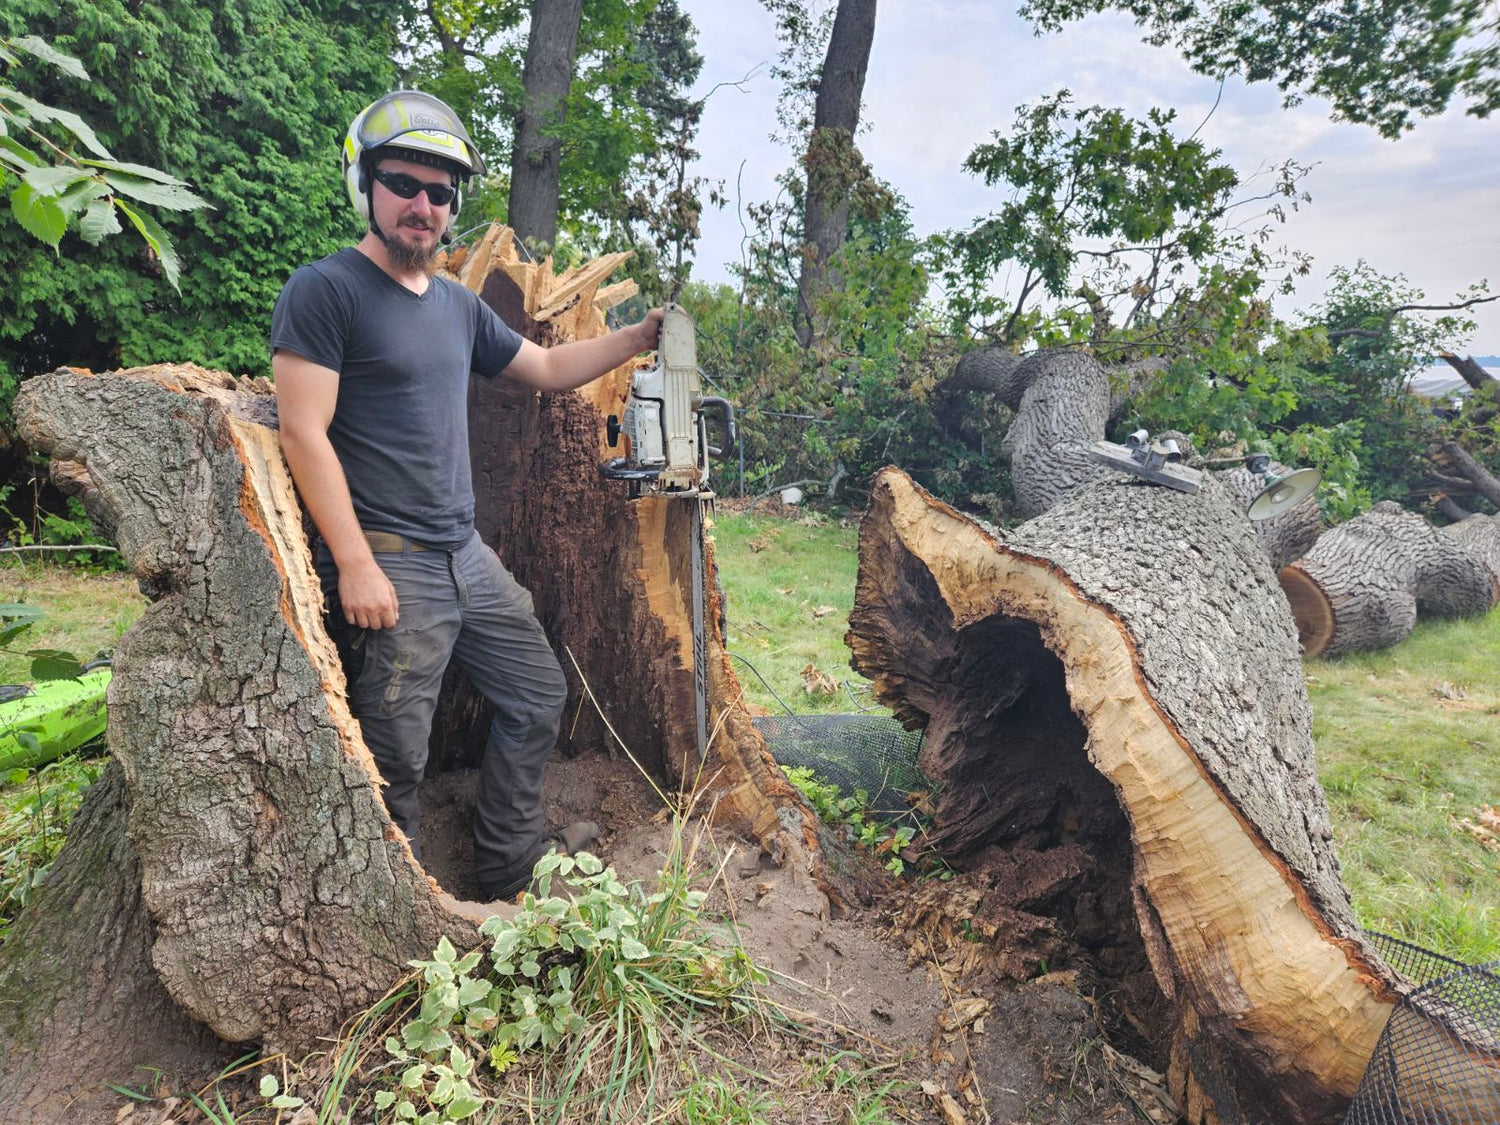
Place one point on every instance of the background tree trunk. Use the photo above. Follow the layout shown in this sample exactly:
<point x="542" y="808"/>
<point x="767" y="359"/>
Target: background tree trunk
<point x="1093" y="642"/>
<point x="833" y="163"/>
<point x="1365" y="582"/>
<point x="281" y="898"/>
<point x="546" y="81"/>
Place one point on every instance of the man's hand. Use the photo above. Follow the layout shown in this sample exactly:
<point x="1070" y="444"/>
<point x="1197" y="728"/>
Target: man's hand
<point x="368" y="598"/>
<point x="649" y="330"/>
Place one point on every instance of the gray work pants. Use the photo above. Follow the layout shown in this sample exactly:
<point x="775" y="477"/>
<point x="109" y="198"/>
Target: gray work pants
<point x="465" y="605"/>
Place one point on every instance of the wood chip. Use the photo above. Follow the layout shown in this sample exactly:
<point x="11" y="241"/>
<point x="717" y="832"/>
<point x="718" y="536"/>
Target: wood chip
<point x="952" y="1112"/>
<point x="964" y="1012"/>
<point x="823" y="611"/>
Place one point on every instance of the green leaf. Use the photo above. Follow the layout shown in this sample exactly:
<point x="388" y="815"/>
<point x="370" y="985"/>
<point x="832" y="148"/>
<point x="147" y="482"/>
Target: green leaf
<point x="28" y="741"/>
<point x="17" y="155"/>
<point x="21" y="611"/>
<point x="170" y="196"/>
<point x="633" y="950"/>
<point x="144" y="171"/>
<point x="39" y="215"/>
<point x="75" y="198"/>
<point x="11" y="632"/>
<point x="157" y="239"/>
<point x="269" y="1087"/>
<point x="69" y="121"/>
<point x="54" y="664"/>
<point x="43" y="50"/>
<point x="445" y="953"/>
<point x="384" y="1099"/>
<point x="53" y="178"/>
<point x="285" y="1101"/>
<point x="472" y="991"/>
<point x="98" y="222"/>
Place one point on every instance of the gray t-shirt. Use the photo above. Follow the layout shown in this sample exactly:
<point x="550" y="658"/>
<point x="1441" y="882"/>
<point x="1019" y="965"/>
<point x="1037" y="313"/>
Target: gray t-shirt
<point x="400" y="427"/>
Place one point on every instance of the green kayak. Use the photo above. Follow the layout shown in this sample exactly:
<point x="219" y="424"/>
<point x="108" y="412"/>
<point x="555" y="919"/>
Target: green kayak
<point x="61" y="714"/>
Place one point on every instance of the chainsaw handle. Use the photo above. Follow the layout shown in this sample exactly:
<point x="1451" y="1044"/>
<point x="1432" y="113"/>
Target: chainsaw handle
<point x="726" y="412"/>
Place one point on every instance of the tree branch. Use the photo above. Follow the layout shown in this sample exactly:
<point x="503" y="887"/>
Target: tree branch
<point x="1385" y="327"/>
<point x="1476" y="376"/>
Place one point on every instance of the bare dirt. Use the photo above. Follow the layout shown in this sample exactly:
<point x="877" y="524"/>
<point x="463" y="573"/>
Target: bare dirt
<point x="974" y="1047"/>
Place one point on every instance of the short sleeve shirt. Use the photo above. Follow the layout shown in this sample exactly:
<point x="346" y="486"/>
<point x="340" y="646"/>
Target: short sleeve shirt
<point x="400" y="427"/>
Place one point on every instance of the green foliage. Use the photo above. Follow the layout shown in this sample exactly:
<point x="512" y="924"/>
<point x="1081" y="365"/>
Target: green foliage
<point x="35" y="810"/>
<point x="1121" y="224"/>
<point x="610" y="968"/>
<point x="1377" y="63"/>
<point x="626" y="136"/>
<point x="852" y="816"/>
<point x="249" y="100"/>
<point x="52" y="187"/>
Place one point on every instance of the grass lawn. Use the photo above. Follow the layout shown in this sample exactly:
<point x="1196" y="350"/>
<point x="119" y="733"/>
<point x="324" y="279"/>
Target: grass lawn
<point x="86" y="614"/>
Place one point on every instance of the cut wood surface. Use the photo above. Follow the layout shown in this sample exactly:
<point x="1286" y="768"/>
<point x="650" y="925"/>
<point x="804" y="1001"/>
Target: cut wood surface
<point x="1139" y="633"/>
<point x="274" y="897"/>
<point x="1366" y="581"/>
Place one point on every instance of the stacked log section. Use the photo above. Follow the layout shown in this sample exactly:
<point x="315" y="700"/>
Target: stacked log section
<point x="1365" y="583"/>
<point x="1286" y="537"/>
<point x="1136" y="636"/>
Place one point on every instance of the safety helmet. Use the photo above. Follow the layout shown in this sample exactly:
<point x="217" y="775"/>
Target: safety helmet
<point x="413" y="126"/>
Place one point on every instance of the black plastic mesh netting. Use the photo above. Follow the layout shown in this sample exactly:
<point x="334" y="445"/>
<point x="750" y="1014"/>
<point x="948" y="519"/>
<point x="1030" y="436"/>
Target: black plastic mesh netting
<point x="1438" y="1060"/>
<point x="868" y="752"/>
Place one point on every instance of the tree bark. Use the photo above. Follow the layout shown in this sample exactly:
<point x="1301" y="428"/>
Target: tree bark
<point x="546" y="80"/>
<point x="1091" y="643"/>
<point x="1364" y="584"/>
<point x="1484" y="482"/>
<point x="1480" y="535"/>
<point x="1477" y="377"/>
<point x="281" y="898"/>
<point x="833" y="162"/>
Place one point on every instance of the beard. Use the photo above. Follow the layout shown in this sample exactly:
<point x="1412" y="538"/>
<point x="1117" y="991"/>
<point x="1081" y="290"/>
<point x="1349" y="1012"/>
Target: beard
<point x="411" y="257"/>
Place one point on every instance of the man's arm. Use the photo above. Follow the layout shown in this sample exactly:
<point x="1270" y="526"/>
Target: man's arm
<point x="306" y="394"/>
<point x="566" y="366"/>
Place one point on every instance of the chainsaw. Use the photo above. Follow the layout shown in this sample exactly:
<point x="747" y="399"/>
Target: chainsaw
<point x="667" y="451"/>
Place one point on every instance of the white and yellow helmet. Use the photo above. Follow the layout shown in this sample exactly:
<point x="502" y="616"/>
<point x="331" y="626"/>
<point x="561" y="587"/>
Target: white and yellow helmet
<point x="418" y="126"/>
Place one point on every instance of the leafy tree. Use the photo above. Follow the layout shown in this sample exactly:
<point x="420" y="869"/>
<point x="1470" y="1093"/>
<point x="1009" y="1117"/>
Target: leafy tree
<point x="1379" y="63"/>
<point x="52" y="187"/>
<point x="625" y="117"/>
<point x="248" y="100"/>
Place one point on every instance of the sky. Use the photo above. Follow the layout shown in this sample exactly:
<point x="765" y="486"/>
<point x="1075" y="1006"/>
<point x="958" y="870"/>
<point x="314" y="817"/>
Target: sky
<point x="945" y="74"/>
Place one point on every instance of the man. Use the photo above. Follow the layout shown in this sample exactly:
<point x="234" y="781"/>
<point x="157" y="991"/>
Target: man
<point x="372" y="356"/>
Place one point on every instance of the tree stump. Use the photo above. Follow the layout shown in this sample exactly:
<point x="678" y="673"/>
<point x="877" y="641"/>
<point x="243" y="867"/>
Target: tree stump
<point x="1136" y="636"/>
<point x="239" y="875"/>
<point x="1365" y="582"/>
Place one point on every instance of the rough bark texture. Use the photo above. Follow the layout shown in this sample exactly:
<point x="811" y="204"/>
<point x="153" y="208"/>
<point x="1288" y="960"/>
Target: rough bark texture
<point x="1365" y="582"/>
<point x="990" y="371"/>
<point x="1484" y="482"/>
<point x="550" y="47"/>
<point x="1290" y="535"/>
<point x="78" y="963"/>
<point x="1064" y="409"/>
<point x="280" y="897"/>
<point x="831" y="155"/>
<point x="1093" y="640"/>
<point x="1476" y="376"/>
<point x="1481" y="536"/>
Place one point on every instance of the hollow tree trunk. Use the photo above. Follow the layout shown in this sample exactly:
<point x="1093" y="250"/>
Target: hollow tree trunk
<point x="548" y="76"/>
<point x="281" y="898"/>
<point x="1365" y="583"/>
<point x="1138" y="633"/>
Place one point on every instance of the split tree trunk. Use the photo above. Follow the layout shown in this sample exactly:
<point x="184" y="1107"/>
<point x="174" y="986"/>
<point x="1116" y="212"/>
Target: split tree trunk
<point x="1365" y="582"/>
<point x="274" y="897"/>
<point x="1138" y="633"/>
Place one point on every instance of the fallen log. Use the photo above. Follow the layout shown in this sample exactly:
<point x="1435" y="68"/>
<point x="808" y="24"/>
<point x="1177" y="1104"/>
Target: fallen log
<point x="1365" y="582"/>
<point x="1135" y="636"/>
<point x="1481" y="536"/>
<point x="239" y="879"/>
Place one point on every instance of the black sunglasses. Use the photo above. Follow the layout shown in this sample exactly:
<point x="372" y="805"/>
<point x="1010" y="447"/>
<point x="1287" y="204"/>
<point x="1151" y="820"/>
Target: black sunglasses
<point x="399" y="183"/>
